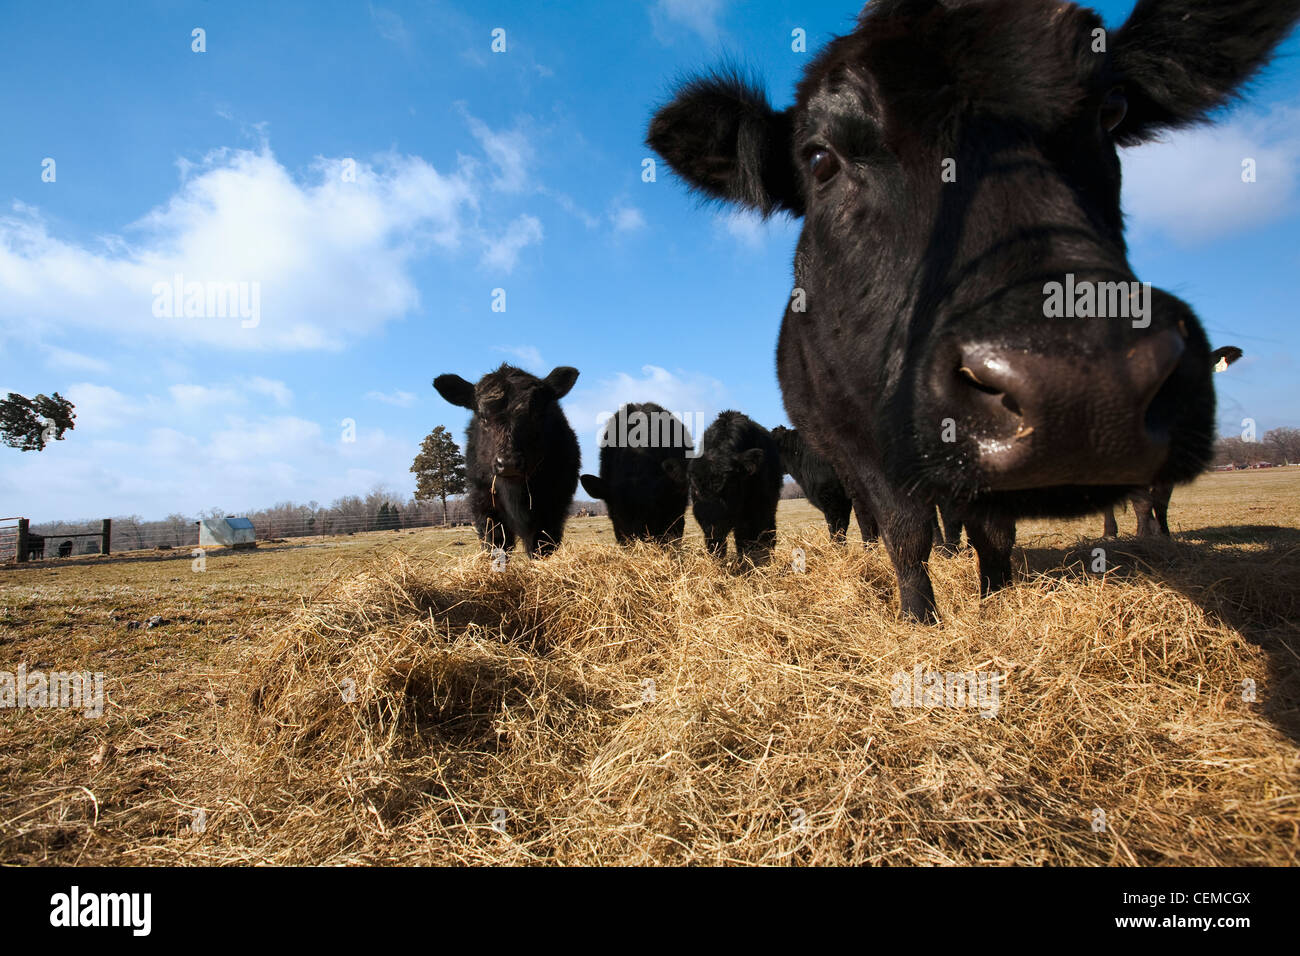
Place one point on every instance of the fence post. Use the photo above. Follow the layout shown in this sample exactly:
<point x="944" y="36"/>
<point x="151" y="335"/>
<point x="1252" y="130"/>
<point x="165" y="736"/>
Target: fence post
<point x="22" y="539"/>
<point x="106" y="535"/>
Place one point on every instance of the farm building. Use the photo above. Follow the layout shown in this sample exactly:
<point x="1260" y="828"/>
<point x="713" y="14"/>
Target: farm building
<point x="228" y="532"/>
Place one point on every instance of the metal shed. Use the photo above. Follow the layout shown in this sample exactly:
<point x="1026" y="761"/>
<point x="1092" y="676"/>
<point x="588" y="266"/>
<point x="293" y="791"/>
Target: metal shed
<point x="228" y="532"/>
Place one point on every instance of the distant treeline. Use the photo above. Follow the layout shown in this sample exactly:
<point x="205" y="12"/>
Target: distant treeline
<point x="385" y="510"/>
<point x="380" y="510"/>
<point x="1279" y="446"/>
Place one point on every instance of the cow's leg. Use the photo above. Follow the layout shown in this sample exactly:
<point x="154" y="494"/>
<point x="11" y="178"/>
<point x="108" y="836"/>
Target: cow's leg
<point x="1111" y="529"/>
<point x="837" y="521"/>
<point x="492" y="532"/>
<point x="542" y="534"/>
<point x="867" y="526"/>
<point x="755" y="541"/>
<point x="1160" y="495"/>
<point x="1142" y="502"/>
<point x="907" y="529"/>
<point x="546" y="540"/>
<point x="505" y="538"/>
<point x="488" y="523"/>
<point x="992" y="537"/>
<point x="908" y="540"/>
<point x="951" y="529"/>
<point x="715" y="540"/>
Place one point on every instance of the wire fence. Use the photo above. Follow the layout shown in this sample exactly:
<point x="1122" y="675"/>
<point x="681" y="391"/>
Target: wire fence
<point x="8" y="539"/>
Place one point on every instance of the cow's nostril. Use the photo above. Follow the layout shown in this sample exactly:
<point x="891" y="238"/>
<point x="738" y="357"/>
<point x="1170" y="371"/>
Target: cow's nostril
<point x="1043" y="417"/>
<point x="997" y="382"/>
<point x="973" y="379"/>
<point x="1152" y="361"/>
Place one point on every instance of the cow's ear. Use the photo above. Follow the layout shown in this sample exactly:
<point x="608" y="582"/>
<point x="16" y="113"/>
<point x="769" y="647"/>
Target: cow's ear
<point x="720" y="135"/>
<point x="675" y="469"/>
<point x="455" y="390"/>
<point x="561" y="380"/>
<point x="594" y="486"/>
<point x="1221" y="358"/>
<point x="1181" y="59"/>
<point x="752" y="460"/>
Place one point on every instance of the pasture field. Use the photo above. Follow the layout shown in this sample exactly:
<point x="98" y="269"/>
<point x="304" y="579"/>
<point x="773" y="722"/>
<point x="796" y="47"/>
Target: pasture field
<point x="388" y="698"/>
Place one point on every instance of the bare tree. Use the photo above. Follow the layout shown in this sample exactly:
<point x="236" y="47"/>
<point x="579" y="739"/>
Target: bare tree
<point x="1284" y="445"/>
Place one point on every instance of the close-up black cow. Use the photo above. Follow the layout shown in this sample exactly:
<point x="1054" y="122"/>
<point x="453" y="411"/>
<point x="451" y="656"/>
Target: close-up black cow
<point x="643" y="479"/>
<point x="521" y="456"/>
<point x="735" y="487"/>
<point x="820" y="485"/>
<point x="956" y="168"/>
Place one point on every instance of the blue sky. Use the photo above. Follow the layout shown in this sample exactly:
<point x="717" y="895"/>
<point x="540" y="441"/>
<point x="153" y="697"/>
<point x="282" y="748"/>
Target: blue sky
<point x="474" y="171"/>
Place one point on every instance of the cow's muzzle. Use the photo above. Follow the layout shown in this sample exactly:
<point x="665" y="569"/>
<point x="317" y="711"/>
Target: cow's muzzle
<point x="1039" y="419"/>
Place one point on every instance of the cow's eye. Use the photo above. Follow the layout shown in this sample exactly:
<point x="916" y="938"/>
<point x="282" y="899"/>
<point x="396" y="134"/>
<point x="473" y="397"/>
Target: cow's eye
<point x="1113" y="109"/>
<point x="823" y="164"/>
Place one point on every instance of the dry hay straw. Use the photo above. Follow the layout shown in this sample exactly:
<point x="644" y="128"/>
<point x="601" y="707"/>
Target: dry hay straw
<point x="417" y="713"/>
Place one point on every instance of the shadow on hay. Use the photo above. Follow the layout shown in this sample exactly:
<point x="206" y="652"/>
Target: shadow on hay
<point x="1248" y="576"/>
<point x="462" y="698"/>
<point x="364" y="678"/>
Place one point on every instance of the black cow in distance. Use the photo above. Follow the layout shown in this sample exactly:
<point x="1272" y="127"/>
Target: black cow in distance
<point x="643" y="479"/>
<point x="735" y="486"/>
<point x="521" y="456"/>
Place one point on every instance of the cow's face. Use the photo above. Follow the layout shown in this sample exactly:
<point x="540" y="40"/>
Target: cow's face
<point x="957" y="302"/>
<point x="510" y="408"/>
<point x="719" y="476"/>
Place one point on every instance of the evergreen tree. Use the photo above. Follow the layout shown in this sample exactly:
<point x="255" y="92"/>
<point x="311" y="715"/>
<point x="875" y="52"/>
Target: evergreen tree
<point x="439" y="469"/>
<point x="28" y="423"/>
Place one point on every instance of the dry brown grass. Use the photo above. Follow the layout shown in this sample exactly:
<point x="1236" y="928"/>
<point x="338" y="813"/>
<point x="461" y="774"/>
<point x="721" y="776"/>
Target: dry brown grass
<point x="770" y="736"/>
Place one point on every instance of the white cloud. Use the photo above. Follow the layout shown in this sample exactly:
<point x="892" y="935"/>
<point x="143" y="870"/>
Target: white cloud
<point x="697" y="398"/>
<point x="266" y="440"/>
<point x="1188" y="187"/>
<point x="526" y="357"/>
<point x="509" y="151"/>
<point x="227" y="458"/>
<point x="699" y="16"/>
<point x="271" y="388"/>
<point x="503" y="252"/>
<point x="198" y="398"/>
<point x="399" y="398"/>
<point x="627" y="219"/>
<point x="56" y="357"/>
<point x="328" y="259"/>
<point x="746" y="227"/>
<point x="390" y="26"/>
<point x="100" y="408"/>
<point x="565" y="202"/>
<point x="193" y="398"/>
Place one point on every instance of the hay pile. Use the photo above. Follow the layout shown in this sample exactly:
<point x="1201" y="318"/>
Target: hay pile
<point x="419" y="714"/>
